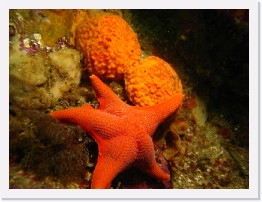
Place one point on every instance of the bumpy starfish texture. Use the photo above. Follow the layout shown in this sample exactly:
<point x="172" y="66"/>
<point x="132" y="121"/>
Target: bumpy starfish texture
<point x="122" y="132"/>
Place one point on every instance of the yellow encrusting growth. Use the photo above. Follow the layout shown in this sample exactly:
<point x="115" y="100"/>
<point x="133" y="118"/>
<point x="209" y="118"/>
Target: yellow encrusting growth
<point x="109" y="44"/>
<point x="151" y="82"/>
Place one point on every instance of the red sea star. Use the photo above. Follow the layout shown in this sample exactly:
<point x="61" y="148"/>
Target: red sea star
<point x="122" y="132"/>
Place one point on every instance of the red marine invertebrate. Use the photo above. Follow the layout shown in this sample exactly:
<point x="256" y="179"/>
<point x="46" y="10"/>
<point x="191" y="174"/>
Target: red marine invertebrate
<point x="123" y="133"/>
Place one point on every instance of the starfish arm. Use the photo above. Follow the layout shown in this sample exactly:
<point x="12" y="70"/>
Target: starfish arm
<point x="98" y="123"/>
<point x="72" y="114"/>
<point x="164" y="109"/>
<point x="152" y="116"/>
<point x="105" y="171"/>
<point x="108" y="100"/>
<point x="155" y="171"/>
<point x="146" y="161"/>
<point x="114" y="157"/>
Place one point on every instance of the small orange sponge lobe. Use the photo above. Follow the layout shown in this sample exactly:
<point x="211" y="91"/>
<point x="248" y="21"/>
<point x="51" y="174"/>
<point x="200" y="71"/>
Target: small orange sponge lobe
<point x="151" y="82"/>
<point x="109" y="44"/>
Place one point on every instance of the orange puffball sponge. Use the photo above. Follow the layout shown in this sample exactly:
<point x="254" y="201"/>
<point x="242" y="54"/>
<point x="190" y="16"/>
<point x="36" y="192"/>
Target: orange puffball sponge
<point x="109" y="44"/>
<point x="151" y="82"/>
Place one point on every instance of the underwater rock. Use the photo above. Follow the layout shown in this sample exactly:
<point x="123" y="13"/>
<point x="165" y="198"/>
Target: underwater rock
<point x="37" y="81"/>
<point x="151" y="82"/>
<point x="109" y="44"/>
<point x="65" y="72"/>
<point x="27" y="76"/>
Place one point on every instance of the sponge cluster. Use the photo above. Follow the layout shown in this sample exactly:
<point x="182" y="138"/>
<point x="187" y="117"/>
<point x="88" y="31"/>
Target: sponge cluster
<point x="112" y="51"/>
